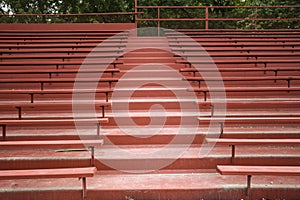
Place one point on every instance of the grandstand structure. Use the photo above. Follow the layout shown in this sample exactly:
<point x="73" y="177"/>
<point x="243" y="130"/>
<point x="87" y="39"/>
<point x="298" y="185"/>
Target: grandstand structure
<point x="251" y="135"/>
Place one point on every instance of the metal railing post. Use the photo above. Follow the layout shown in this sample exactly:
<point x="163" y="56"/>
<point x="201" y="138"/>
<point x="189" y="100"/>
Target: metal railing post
<point x="255" y="17"/>
<point x="158" y="21"/>
<point x="135" y="12"/>
<point x="206" y="18"/>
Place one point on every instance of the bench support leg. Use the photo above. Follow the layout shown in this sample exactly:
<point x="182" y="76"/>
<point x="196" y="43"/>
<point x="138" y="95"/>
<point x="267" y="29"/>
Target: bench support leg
<point x="205" y="97"/>
<point x="84" y="196"/>
<point x="103" y="112"/>
<point x="92" y="149"/>
<point x="212" y="110"/>
<point x="106" y="96"/>
<point x="19" y="112"/>
<point x="221" y="128"/>
<point x="98" y="129"/>
<point x="232" y="153"/>
<point x="3" y="132"/>
<point x="31" y="97"/>
<point x="248" y="186"/>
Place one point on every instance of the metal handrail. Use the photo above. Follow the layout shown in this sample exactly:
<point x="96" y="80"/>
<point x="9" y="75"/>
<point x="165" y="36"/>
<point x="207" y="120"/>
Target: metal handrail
<point x="71" y="15"/>
<point x="218" y="6"/>
<point x="207" y="18"/>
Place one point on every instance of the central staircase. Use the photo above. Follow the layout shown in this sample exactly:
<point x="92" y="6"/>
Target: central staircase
<point x="164" y="122"/>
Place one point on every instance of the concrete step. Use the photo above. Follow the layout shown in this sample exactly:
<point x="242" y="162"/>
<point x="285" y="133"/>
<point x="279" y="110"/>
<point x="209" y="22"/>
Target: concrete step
<point x="145" y="60"/>
<point x="129" y="66"/>
<point x="172" y="185"/>
<point x="150" y="157"/>
<point x="153" y="53"/>
<point x="119" y="137"/>
<point x="42" y="159"/>
<point x="168" y="133"/>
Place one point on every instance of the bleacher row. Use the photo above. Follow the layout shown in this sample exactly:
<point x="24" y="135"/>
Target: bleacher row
<point x="257" y="70"/>
<point x="38" y="71"/>
<point x="260" y="71"/>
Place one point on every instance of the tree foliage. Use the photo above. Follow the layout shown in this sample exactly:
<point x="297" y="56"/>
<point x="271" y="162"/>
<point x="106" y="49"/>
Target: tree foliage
<point x="100" y="6"/>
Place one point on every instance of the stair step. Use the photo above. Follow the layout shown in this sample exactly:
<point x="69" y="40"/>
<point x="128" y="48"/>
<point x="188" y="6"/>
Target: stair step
<point x="150" y="157"/>
<point x="173" y="184"/>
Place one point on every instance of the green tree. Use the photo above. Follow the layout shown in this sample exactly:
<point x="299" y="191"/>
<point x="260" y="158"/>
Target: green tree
<point x="102" y="6"/>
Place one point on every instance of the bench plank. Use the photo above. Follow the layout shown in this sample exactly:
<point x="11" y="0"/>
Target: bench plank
<point x="265" y="62"/>
<point x="232" y="54"/>
<point x="60" y="71"/>
<point x="57" y="45"/>
<point x="59" y="80"/>
<point x="20" y="106"/>
<point x="5" y="122"/>
<point x="244" y="89"/>
<point x="51" y="121"/>
<point x="234" y="141"/>
<point x="82" y="173"/>
<point x="50" y="143"/>
<point x="48" y="173"/>
<point x="58" y="91"/>
<point x="257" y="170"/>
<point x="58" y="63"/>
<point x="243" y="69"/>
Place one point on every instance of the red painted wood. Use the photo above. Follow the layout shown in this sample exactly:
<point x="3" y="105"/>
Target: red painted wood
<point x="51" y="121"/>
<point x="49" y="143"/>
<point x="259" y="170"/>
<point x="48" y="173"/>
<point x="233" y="141"/>
<point x="83" y="27"/>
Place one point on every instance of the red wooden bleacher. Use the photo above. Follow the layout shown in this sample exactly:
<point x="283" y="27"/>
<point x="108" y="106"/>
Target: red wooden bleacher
<point x="260" y="72"/>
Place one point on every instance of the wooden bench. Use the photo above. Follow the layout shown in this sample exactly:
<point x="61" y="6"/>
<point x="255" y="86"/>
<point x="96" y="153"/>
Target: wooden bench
<point x="21" y="41"/>
<point x="117" y="45"/>
<point x="244" y="89"/>
<point x="58" y="38"/>
<point x="51" y="143"/>
<point x="35" y="34"/>
<point x="234" y="142"/>
<point x="56" y="105"/>
<point x="42" y="81"/>
<point x="59" y="71"/>
<point x="60" y="51"/>
<point x="250" y="103"/>
<point x="188" y="45"/>
<point x="247" y="120"/>
<point x="250" y="171"/>
<point x="242" y="69"/>
<point x="243" y="55"/>
<point x="31" y="93"/>
<point x="48" y="32"/>
<point x="240" y="79"/>
<point x="62" y="121"/>
<point x="59" y="56"/>
<point x="233" y="32"/>
<point x="232" y="40"/>
<point x="246" y="50"/>
<point x="82" y="144"/>
<point x="81" y="173"/>
<point x="236" y="62"/>
<point x="224" y="35"/>
<point x="61" y="63"/>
